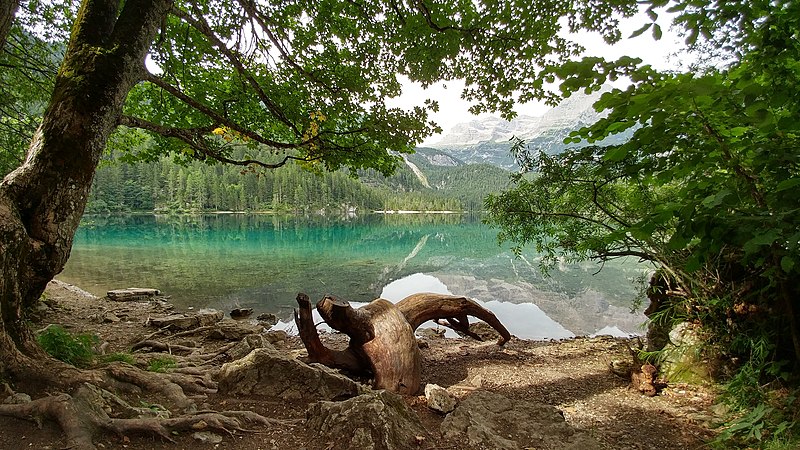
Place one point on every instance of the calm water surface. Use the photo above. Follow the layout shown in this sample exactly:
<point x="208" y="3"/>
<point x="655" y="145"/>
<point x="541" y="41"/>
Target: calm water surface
<point x="263" y="261"/>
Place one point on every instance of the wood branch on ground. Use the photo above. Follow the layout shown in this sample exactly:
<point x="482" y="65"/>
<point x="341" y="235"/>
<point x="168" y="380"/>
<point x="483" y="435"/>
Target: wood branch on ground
<point x="381" y="333"/>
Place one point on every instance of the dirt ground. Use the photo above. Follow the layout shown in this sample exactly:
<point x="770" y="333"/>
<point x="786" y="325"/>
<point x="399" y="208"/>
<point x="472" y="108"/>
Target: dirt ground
<point x="572" y="375"/>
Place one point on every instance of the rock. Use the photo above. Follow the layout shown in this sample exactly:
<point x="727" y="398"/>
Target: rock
<point x="682" y="359"/>
<point x="241" y="313"/>
<point x="621" y="367"/>
<point x="132" y="294"/>
<point x="439" y="399"/>
<point x="375" y="420"/>
<point x="187" y="321"/>
<point x="17" y="398"/>
<point x="484" y="331"/>
<point x="431" y="333"/>
<point x="266" y="372"/>
<point x="110" y="317"/>
<point x="276" y="337"/>
<point x="247" y="345"/>
<point x="268" y="318"/>
<point x="207" y="437"/>
<point x="488" y="420"/>
<point x="233" y="330"/>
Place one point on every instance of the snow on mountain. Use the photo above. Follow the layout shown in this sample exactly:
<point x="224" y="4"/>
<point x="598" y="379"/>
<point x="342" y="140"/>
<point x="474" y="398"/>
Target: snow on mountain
<point x="573" y="111"/>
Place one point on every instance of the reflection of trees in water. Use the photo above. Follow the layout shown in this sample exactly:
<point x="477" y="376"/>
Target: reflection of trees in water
<point x="393" y="272"/>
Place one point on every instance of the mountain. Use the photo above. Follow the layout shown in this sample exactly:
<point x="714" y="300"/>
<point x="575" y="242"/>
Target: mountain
<point x="488" y="140"/>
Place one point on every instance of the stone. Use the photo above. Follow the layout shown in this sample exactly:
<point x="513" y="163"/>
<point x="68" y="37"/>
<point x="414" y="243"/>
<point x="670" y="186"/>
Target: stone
<point x="234" y="330"/>
<point x="682" y="359"/>
<point x="247" y="345"/>
<point x="269" y="373"/>
<point x="17" y="399"/>
<point x="201" y="318"/>
<point x="439" y="399"/>
<point x="372" y="421"/>
<point x="277" y="336"/>
<point x="241" y="313"/>
<point x="431" y="333"/>
<point x="207" y="437"/>
<point x="268" y="318"/>
<point x="110" y="317"/>
<point x="489" y="420"/>
<point x="132" y="294"/>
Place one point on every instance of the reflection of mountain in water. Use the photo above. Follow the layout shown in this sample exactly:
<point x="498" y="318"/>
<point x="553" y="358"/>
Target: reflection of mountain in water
<point x="583" y="314"/>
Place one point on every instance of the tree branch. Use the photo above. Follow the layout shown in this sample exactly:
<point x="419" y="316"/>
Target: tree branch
<point x="202" y="26"/>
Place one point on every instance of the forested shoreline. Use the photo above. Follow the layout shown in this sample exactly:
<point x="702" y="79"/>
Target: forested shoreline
<point x="163" y="186"/>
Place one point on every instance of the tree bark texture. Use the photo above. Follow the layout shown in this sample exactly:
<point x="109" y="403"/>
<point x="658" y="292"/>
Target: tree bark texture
<point x="8" y="9"/>
<point x="42" y="201"/>
<point x="382" y="337"/>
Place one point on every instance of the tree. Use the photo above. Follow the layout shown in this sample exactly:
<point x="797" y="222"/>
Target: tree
<point x="705" y="188"/>
<point x="308" y="81"/>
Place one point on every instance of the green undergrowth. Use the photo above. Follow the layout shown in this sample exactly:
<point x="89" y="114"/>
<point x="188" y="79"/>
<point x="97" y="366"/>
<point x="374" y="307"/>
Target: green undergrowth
<point x="161" y="364"/>
<point x="64" y="346"/>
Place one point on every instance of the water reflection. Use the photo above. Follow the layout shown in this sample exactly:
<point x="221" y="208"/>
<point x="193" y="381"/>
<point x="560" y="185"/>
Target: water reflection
<point x="262" y="261"/>
<point x="523" y="320"/>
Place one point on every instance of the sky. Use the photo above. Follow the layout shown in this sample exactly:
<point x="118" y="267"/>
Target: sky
<point x="454" y="110"/>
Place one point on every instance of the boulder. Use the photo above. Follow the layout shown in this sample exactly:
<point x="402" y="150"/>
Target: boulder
<point x="187" y="321"/>
<point x="247" y="345"/>
<point x="269" y="373"/>
<point x="683" y="358"/>
<point x="439" y="399"/>
<point x="375" y="420"/>
<point x="489" y="420"/>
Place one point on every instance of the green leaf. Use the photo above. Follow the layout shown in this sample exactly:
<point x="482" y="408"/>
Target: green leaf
<point x="640" y="31"/>
<point x="787" y="263"/>
<point x="616" y="153"/>
<point x="787" y="184"/>
<point x="657" y="33"/>
<point x="765" y="238"/>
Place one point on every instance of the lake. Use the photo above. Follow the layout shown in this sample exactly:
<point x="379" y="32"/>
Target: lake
<point x="262" y="261"/>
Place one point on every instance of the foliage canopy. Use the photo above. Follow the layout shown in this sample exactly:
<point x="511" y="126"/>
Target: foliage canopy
<point x="706" y="188"/>
<point x="311" y="80"/>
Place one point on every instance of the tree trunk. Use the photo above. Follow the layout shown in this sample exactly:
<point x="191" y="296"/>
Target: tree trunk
<point x="8" y="9"/>
<point x="42" y="201"/>
<point x="382" y="337"/>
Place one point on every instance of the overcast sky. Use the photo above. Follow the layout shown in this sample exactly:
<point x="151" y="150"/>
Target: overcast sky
<point x="454" y="110"/>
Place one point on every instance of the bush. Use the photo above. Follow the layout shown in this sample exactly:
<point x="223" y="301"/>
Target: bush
<point x="61" y="345"/>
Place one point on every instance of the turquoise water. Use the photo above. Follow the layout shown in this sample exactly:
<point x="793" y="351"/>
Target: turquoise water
<point x="262" y="261"/>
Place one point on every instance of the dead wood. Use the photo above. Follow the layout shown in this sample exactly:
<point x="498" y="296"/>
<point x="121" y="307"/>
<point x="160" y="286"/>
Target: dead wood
<point x="420" y="308"/>
<point x="317" y="352"/>
<point x="381" y="334"/>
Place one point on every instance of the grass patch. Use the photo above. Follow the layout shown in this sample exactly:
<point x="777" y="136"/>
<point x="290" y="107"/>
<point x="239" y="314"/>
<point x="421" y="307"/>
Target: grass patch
<point x="161" y="364"/>
<point x="62" y="345"/>
<point x="118" y="356"/>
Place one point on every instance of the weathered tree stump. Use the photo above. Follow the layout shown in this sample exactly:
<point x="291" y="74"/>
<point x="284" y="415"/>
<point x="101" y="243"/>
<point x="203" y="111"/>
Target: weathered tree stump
<point x="381" y="334"/>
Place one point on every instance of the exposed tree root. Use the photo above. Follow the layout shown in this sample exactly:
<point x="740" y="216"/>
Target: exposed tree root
<point x="92" y="409"/>
<point x="83" y="416"/>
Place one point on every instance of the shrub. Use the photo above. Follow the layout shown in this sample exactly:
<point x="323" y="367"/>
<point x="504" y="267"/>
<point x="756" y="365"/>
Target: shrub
<point x="61" y="345"/>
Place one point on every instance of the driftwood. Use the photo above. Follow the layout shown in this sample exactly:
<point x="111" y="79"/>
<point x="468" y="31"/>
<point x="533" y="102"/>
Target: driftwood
<point x="381" y="334"/>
